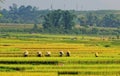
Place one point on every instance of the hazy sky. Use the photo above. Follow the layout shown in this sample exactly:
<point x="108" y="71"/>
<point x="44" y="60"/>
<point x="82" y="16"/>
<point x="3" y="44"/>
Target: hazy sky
<point x="67" y="4"/>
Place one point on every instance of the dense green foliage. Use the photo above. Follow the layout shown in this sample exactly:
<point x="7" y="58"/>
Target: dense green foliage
<point x="22" y="14"/>
<point x="60" y="21"/>
<point x="94" y="19"/>
<point x="38" y="28"/>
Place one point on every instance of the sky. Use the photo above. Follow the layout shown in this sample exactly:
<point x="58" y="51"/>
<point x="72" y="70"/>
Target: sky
<point x="67" y="4"/>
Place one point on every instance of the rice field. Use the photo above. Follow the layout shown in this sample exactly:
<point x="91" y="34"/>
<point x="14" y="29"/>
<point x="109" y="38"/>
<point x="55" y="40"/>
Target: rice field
<point x="82" y="61"/>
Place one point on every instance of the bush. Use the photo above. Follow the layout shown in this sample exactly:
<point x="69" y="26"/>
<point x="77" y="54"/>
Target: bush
<point x="107" y="46"/>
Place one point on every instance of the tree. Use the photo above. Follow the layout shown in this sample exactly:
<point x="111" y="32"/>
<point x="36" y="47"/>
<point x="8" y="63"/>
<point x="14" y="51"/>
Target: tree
<point x="68" y="18"/>
<point x="110" y="20"/>
<point x="2" y="1"/>
<point x="0" y="15"/>
<point x="35" y="28"/>
<point x="89" y="19"/>
<point x="0" y="7"/>
<point x="22" y="14"/>
<point x="59" y="19"/>
<point x="95" y="31"/>
<point x="82" y="21"/>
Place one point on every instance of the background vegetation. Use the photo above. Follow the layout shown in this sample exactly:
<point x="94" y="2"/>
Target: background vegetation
<point x="101" y="22"/>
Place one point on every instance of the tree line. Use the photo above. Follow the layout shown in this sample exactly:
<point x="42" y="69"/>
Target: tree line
<point x="94" y="19"/>
<point x="22" y="14"/>
<point x="62" y="21"/>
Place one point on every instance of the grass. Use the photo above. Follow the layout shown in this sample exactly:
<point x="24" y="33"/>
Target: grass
<point x="99" y="66"/>
<point x="27" y="74"/>
<point x="82" y="60"/>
